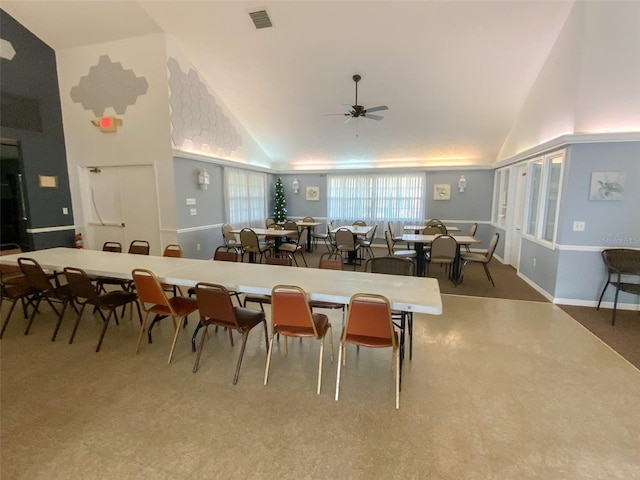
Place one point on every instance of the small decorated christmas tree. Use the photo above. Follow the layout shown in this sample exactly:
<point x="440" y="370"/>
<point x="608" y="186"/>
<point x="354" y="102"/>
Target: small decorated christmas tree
<point x="280" y="209"/>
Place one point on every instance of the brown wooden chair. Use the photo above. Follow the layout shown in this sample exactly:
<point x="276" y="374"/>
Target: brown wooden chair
<point x="115" y="247"/>
<point x="619" y="262"/>
<point x="85" y="293"/>
<point x="154" y="301"/>
<point x="292" y="317"/>
<point x="329" y="261"/>
<point x="44" y="289"/>
<point x="214" y="303"/>
<point x="369" y="324"/>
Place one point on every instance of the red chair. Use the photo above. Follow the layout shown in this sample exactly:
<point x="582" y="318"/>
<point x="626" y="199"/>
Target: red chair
<point x="292" y="317"/>
<point x="369" y="324"/>
<point x="214" y="303"/>
<point x="154" y="301"/>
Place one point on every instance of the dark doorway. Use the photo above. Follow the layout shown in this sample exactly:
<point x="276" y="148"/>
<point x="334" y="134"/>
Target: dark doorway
<point x="13" y="209"/>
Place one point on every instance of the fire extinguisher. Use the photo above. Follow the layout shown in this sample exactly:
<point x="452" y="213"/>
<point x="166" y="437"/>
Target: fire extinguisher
<point x="79" y="241"/>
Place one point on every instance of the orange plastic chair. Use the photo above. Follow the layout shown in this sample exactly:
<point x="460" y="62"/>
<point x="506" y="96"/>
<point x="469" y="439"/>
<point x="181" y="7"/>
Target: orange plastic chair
<point x="154" y="300"/>
<point x="292" y="317"/>
<point x="214" y="303"/>
<point x="369" y="325"/>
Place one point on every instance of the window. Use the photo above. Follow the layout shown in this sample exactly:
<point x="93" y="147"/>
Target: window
<point x="545" y="178"/>
<point x="500" y="196"/>
<point x="245" y="197"/>
<point x="375" y="199"/>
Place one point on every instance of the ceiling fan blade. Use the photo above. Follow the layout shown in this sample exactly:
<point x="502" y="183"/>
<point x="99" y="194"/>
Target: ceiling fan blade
<point x="349" y="117"/>
<point x="332" y="114"/>
<point x="373" y="117"/>
<point x="377" y="109"/>
<point x="349" y="108"/>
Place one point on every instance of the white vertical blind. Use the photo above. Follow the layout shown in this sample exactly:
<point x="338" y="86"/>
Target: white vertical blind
<point x="246" y="197"/>
<point x="376" y="199"/>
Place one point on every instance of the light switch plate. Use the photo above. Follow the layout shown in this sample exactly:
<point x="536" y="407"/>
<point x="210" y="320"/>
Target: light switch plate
<point x="191" y="201"/>
<point x="193" y="211"/>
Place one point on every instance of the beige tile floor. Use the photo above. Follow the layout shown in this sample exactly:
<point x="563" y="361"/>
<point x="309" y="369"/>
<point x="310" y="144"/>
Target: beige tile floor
<point x="497" y="389"/>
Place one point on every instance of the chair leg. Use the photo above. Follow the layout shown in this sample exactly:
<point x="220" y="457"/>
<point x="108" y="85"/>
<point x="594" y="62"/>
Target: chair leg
<point x="397" y="359"/>
<point x="75" y="327"/>
<point x="175" y="337"/>
<point x="195" y="365"/>
<point x="305" y="260"/>
<point x="193" y="337"/>
<point x="245" y="335"/>
<point x="615" y="306"/>
<point x="59" y="322"/>
<point x="269" y="351"/>
<point x="340" y="352"/>
<point x="602" y="294"/>
<point x="266" y="334"/>
<point x="486" y="270"/>
<point x="142" y="328"/>
<point x="6" y="320"/>
<point x="104" y="329"/>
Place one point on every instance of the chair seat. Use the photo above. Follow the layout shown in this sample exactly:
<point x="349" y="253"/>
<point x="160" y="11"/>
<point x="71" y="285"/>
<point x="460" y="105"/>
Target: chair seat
<point x="320" y="320"/>
<point x="404" y="253"/>
<point x="321" y="304"/>
<point x="629" y="287"/>
<point x="374" y="342"/>
<point x="473" y="256"/>
<point x="247" y="317"/>
<point x="181" y="306"/>
<point x="257" y="298"/>
<point x="115" y="299"/>
<point x="290" y="247"/>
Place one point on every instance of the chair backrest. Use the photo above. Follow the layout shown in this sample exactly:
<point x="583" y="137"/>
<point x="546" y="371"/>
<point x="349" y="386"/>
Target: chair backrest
<point x="431" y="230"/>
<point x="434" y="221"/>
<point x="308" y="219"/>
<point x="139" y="247"/>
<point x="269" y="221"/>
<point x="369" y="316"/>
<point x="390" y="265"/>
<point x="472" y="230"/>
<point x="390" y="229"/>
<point x="214" y="301"/>
<point x="344" y="238"/>
<point x="302" y="237"/>
<point x="149" y="288"/>
<point x="290" y="307"/>
<point x="80" y="284"/>
<point x="172" y="250"/>
<point x="248" y="238"/>
<point x="115" y="247"/>
<point x="35" y="275"/>
<point x="331" y="261"/>
<point x="291" y="225"/>
<point x="228" y="237"/>
<point x="9" y="270"/>
<point x="444" y="247"/>
<point x="493" y="243"/>
<point x="284" y="260"/>
<point x="622" y="260"/>
<point x="441" y="227"/>
<point x="224" y="255"/>
<point x="389" y="239"/>
<point x="359" y="223"/>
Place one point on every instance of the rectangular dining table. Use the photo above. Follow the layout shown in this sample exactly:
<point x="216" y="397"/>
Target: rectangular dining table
<point x="418" y="228"/>
<point x="357" y="231"/>
<point x="420" y="240"/>
<point x="274" y="233"/>
<point x="411" y="294"/>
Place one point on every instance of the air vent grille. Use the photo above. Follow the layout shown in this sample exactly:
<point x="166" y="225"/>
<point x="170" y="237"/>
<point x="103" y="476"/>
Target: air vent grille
<point x="261" y="19"/>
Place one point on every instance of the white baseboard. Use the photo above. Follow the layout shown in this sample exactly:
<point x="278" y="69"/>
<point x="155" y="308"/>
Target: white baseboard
<point x="575" y="302"/>
<point x="536" y="287"/>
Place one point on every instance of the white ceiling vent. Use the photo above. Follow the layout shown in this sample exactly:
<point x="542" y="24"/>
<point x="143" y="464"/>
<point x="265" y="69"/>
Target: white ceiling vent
<point x="261" y="19"/>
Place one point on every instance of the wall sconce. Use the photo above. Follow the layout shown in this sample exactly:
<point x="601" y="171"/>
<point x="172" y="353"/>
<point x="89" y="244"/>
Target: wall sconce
<point x="295" y="185"/>
<point x="203" y="179"/>
<point x="462" y="183"/>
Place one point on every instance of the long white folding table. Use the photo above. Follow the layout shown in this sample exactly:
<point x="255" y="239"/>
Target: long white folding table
<point x="412" y="294"/>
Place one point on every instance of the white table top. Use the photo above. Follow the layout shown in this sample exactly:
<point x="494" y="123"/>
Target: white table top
<point x="308" y="224"/>
<point x="269" y="232"/>
<point x="416" y="294"/>
<point x="422" y="227"/>
<point x="419" y="238"/>
<point x="355" y="229"/>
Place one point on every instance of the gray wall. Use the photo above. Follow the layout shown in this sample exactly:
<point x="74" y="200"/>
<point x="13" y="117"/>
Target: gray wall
<point x="32" y="74"/>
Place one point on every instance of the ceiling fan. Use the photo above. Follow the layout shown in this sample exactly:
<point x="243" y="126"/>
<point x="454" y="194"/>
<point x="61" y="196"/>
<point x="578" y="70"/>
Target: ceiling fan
<point x="356" y="111"/>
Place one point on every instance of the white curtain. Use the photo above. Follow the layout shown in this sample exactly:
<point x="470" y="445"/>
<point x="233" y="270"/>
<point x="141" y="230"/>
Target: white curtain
<point x="245" y="197"/>
<point x="376" y="199"/>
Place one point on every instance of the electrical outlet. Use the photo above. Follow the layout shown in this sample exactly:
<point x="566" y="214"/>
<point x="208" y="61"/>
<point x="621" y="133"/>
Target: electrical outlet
<point x="65" y="211"/>
<point x="579" y="226"/>
<point x="534" y="262"/>
<point x="193" y="211"/>
<point x="197" y="246"/>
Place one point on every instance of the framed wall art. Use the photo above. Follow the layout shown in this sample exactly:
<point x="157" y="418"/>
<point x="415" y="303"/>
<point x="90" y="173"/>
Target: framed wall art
<point x="606" y="186"/>
<point x="442" y="191"/>
<point x="313" y="193"/>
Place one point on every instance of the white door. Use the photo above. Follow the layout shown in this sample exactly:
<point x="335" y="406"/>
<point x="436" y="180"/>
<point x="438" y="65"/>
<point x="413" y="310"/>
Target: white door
<point x="123" y="206"/>
<point x="517" y="226"/>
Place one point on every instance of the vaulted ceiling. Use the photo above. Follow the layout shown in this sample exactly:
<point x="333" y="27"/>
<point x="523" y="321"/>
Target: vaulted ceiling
<point x="454" y="74"/>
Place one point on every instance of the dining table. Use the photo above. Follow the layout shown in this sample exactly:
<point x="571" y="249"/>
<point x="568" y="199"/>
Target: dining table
<point x="420" y="241"/>
<point x="274" y="233"/>
<point x="410" y="294"/>
<point x="309" y="226"/>
<point x="419" y="228"/>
